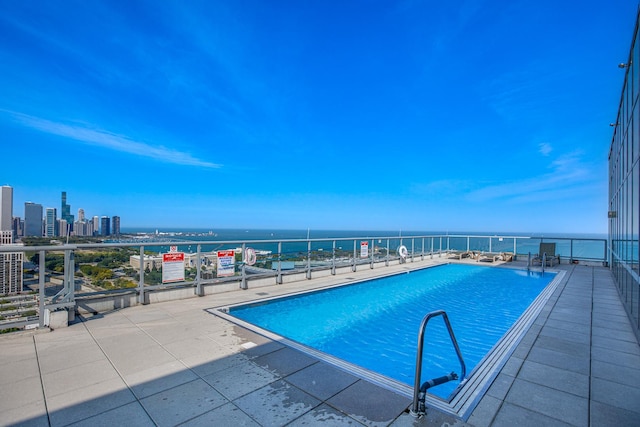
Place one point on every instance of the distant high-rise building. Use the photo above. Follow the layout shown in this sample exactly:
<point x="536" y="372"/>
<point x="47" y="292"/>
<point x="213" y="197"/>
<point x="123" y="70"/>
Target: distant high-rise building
<point x="80" y="214"/>
<point x="115" y="225"/>
<point x="105" y="226"/>
<point x="6" y="237"/>
<point x="66" y="210"/>
<point x="10" y="262"/>
<point x="89" y="230"/>
<point x="80" y="228"/>
<point x="96" y="225"/>
<point x="33" y="219"/>
<point x="51" y="222"/>
<point x="18" y="227"/>
<point x="6" y="208"/>
<point x="63" y="228"/>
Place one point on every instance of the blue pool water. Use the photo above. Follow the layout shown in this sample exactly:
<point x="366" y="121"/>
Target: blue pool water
<point x="374" y="324"/>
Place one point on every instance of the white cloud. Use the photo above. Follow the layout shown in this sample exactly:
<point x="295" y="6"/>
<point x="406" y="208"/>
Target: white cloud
<point x="569" y="177"/>
<point x="111" y="141"/>
<point x="545" y="148"/>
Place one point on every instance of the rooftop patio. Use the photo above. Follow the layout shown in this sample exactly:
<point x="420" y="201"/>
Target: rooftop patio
<point x="173" y="363"/>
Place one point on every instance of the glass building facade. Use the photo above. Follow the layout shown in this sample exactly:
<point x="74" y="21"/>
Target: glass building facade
<point x="624" y="186"/>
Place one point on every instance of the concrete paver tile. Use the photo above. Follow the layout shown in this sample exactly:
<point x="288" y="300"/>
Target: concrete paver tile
<point x="194" y="347"/>
<point x="217" y="364"/>
<point x="612" y="372"/>
<point x="571" y="348"/>
<point x="511" y="415"/>
<point x="130" y="414"/>
<point x="608" y="315"/>
<point x="622" y="359"/>
<point x="576" y="328"/>
<point x="370" y="404"/>
<point x="612" y="343"/>
<point x="620" y="335"/>
<point x="239" y="380"/>
<point x="512" y="366"/>
<point x="276" y="404"/>
<point x="262" y="349"/>
<point x="22" y="392"/>
<point x="571" y="316"/>
<point x="485" y="411"/>
<point x="627" y="335"/>
<point x="603" y="415"/>
<point x="67" y="408"/>
<point x="62" y="357"/>
<point x="550" y="402"/>
<point x="78" y="377"/>
<point x="165" y="332"/>
<point x="616" y="394"/>
<point x="16" y="349"/>
<point x="284" y="361"/>
<point x="158" y="378"/>
<point x="326" y="416"/>
<point x="140" y="315"/>
<point x="560" y="360"/>
<point x="226" y="415"/>
<point x="19" y="370"/>
<point x="559" y="379"/>
<point x="321" y="380"/>
<point x="566" y="334"/>
<point x="182" y="403"/>
<point x="132" y="361"/>
<point x="128" y="340"/>
<point x="57" y="342"/>
<point x="32" y="414"/>
<point x="500" y="386"/>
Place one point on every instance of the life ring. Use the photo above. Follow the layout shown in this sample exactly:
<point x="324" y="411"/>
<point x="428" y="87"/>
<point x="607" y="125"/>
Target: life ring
<point x="403" y="252"/>
<point x="250" y="256"/>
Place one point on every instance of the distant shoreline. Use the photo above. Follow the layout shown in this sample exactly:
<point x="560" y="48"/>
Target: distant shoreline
<point x="245" y="233"/>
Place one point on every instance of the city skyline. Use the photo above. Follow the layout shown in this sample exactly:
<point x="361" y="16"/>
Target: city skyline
<point x="390" y="116"/>
<point x="38" y="220"/>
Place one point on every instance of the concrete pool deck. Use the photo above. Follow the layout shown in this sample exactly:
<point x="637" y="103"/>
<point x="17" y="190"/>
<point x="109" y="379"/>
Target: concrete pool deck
<point x="173" y="363"/>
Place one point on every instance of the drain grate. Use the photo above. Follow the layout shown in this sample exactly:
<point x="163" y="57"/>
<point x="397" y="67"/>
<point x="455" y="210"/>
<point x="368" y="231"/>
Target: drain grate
<point x="262" y="294"/>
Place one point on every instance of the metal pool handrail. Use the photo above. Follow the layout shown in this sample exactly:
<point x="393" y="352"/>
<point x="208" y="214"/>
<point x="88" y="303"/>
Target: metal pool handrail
<point x="419" y="391"/>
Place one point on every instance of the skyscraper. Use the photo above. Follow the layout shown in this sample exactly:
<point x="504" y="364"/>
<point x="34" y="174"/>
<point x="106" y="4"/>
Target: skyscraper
<point x="115" y="225"/>
<point x="10" y="263"/>
<point x="96" y="225"/>
<point x="6" y="208"/>
<point x="65" y="213"/>
<point x="18" y="227"/>
<point x="6" y="237"/>
<point x="50" y="223"/>
<point x="80" y="214"/>
<point x="105" y="229"/>
<point x="63" y="227"/>
<point x="32" y="219"/>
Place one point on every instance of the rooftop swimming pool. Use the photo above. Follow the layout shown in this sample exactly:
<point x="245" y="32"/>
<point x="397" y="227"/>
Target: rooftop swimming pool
<point x="374" y="324"/>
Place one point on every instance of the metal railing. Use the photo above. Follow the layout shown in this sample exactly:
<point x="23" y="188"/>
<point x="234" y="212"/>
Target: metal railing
<point x="60" y="275"/>
<point x="419" y="391"/>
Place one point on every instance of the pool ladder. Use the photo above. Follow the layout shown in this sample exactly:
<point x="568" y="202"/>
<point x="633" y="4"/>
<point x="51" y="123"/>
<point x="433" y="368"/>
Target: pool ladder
<point x="419" y="392"/>
<point x="544" y="261"/>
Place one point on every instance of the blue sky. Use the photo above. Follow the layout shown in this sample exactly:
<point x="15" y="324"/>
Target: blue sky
<point x="366" y="115"/>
